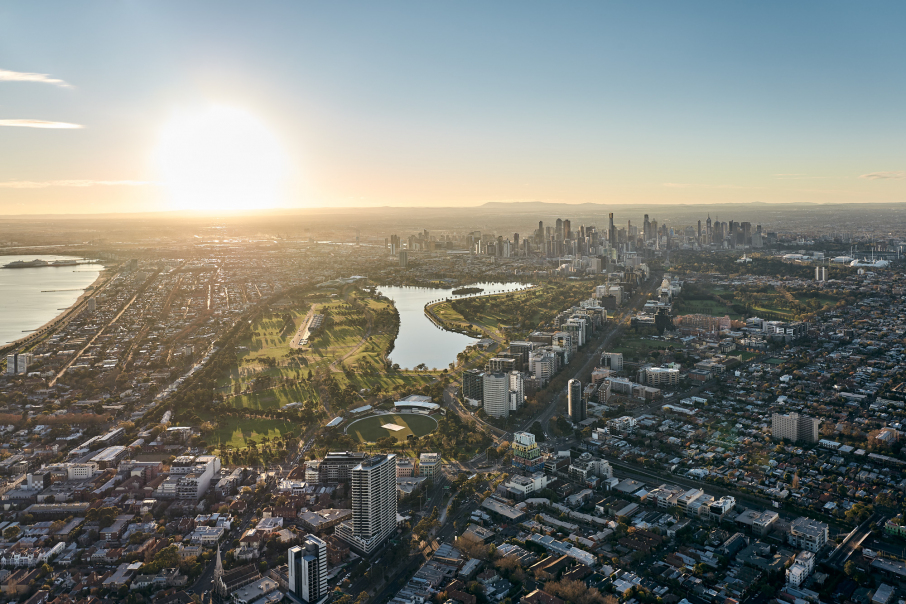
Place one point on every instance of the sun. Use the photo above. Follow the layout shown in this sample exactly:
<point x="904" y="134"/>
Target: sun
<point x="220" y="159"/>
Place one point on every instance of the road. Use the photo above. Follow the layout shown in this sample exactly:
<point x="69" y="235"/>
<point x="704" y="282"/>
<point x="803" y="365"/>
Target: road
<point x="75" y="358"/>
<point x="841" y="554"/>
<point x="206" y="580"/>
<point x="618" y="324"/>
<point x="621" y="322"/>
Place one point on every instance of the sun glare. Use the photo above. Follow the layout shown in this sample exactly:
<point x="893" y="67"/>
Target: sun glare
<point x="220" y="159"/>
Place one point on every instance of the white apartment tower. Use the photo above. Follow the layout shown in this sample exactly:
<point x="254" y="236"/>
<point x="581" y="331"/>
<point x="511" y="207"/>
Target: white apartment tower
<point x="517" y="390"/>
<point x="794" y="427"/>
<point x="496" y="388"/>
<point x="308" y="570"/>
<point x="373" y="485"/>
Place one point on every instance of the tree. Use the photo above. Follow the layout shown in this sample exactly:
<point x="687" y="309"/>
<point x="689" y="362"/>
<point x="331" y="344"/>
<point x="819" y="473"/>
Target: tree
<point x="850" y="568"/>
<point x="11" y="533"/>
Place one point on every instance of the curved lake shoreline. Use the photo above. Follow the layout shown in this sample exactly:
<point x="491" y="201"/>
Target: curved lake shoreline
<point x="421" y="341"/>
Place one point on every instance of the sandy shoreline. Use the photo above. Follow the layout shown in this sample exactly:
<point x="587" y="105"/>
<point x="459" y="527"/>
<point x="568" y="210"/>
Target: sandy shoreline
<point x="67" y="314"/>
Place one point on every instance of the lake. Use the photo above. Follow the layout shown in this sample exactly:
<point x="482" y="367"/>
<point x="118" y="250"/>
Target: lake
<point x="421" y="341"/>
<point x="30" y="297"/>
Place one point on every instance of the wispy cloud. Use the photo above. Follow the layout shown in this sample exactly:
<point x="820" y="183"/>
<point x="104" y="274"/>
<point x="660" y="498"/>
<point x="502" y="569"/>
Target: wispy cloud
<point x="795" y="176"/>
<point x="38" y="124"/>
<point x="43" y="184"/>
<point x="43" y="78"/>
<point x="894" y="174"/>
<point x="690" y="185"/>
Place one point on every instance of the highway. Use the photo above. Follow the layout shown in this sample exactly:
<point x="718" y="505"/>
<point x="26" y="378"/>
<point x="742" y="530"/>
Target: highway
<point x="616" y="327"/>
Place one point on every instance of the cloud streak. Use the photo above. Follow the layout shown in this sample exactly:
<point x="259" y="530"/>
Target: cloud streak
<point x="891" y="175"/>
<point x="42" y="78"/>
<point x="39" y="124"/>
<point x="689" y="185"/>
<point x="43" y="184"/>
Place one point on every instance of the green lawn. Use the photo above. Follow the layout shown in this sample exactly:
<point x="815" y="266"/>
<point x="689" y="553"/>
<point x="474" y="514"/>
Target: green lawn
<point x="235" y="431"/>
<point x="369" y="429"/>
<point x="705" y="307"/>
<point x="629" y="344"/>
<point x="275" y="398"/>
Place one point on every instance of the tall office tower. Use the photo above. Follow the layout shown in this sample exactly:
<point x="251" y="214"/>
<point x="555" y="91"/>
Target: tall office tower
<point x="566" y="229"/>
<point x="576" y="406"/>
<point x="699" y="231"/>
<point x="746" y="233"/>
<point x="612" y="233"/>
<point x="373" y="504"/>
<point x="404" y="259"/>
<point x="539" y="234"/>
<point x="795" y="427"/>
<point x="308" y="570"/>
<point x="646" y="228"/>
<point x="820" y="273"/>
<point x="496" y="394"/>
<point x="558" y="229"/>
<point x="708" y="232"/>
<point x="516" y="244"/>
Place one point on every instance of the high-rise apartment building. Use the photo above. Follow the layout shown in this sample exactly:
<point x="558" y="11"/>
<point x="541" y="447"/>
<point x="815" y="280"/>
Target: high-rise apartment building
<point x="17" y="364"/>
<point x="795" y="427"/>
<point x="526" y="452"/>
<point x="373" y="485"/>
<point x="575" y="402"/>
<point x="473" y="387"/>
<point x="612" y="361"/>
<point x="308" y="570"/>
<point x="336" y="466"/>
<point x="516" y="394"/>
<point x="496" y="394"/>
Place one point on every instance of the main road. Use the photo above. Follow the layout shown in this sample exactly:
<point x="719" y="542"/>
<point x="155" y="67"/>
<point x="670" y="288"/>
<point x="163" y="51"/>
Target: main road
<point x="619" y="322"/>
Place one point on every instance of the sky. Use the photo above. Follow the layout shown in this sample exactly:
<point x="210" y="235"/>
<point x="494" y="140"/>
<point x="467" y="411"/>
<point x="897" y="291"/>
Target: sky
<point x="159" y="105"/>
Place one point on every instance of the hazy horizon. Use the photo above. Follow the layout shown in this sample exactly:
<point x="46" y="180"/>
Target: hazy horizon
<point x="145" y="107"/>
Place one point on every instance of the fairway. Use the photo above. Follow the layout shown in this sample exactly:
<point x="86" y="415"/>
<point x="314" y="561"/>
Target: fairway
<point x="370" y="429"/>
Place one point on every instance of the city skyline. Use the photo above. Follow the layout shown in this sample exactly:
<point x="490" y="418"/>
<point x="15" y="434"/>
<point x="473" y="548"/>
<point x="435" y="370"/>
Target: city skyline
<point x="300" y="106"/>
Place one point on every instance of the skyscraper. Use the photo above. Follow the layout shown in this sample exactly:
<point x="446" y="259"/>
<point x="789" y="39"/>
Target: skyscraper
<point x="612" y="233"/>
<point x="576" y="405"/>
<point x="373" y="504"/>
<point x="308" y="570"/>
<point x="496" y="394"/>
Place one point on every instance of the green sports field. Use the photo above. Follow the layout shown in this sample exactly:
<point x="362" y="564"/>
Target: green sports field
<point x="368" y="429"/>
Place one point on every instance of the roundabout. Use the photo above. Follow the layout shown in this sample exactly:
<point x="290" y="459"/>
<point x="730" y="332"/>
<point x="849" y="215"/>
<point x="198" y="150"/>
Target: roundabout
<point x="397" y="425"/>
